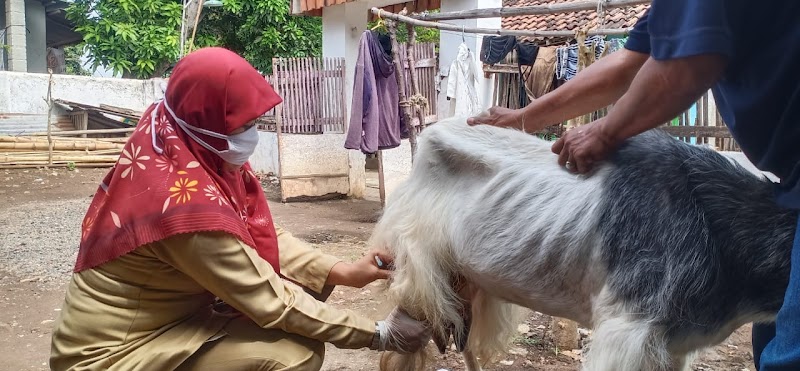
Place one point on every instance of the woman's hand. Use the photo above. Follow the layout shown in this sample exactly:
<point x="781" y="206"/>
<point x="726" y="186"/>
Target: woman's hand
<point x="582" y="147"/>
<point x="362" y="271"/>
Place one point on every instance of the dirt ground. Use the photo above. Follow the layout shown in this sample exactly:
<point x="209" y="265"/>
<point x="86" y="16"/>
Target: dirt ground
<point x="37" y="205"/>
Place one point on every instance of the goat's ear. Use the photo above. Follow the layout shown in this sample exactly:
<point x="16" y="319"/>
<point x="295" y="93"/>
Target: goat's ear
<point x="442" y="339"/>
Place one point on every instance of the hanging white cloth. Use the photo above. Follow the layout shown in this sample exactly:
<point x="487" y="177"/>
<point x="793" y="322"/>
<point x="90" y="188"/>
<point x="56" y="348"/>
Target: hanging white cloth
<point x="461" y="84"/>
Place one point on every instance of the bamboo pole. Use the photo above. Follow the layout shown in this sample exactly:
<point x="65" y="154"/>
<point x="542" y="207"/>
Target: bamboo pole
<point x="492" y="31"/>
<point x="401" y="87"/>
<point x="60" y="146"/>
<point x="39" y="139"/>
<point x="33" y="165"/>
<point x="527" y="10"/>
<point x="12" y="158"/>
<point x="49" y="113"/>
<point x="90" y="131"/>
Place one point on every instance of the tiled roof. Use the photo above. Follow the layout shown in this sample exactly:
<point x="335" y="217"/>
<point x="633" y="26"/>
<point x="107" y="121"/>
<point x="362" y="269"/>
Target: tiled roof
<point x="614" y="18"/>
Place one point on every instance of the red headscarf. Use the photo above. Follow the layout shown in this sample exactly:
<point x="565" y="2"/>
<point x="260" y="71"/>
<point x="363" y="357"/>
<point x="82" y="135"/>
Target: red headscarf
<point x="165" y="183"/>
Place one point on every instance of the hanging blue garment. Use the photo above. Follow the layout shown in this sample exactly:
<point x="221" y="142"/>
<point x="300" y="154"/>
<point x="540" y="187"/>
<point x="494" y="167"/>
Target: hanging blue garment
<point x="567" y="56"/>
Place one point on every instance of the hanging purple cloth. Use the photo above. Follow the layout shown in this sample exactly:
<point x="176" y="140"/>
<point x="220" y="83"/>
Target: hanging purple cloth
<point x="375" y="114"/>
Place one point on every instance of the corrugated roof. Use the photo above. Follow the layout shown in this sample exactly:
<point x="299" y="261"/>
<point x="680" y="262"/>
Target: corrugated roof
<point x="614" y="18"/>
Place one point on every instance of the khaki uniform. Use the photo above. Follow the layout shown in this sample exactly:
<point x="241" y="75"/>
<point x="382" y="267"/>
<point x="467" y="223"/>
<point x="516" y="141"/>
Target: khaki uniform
<point x="153" y="309"/>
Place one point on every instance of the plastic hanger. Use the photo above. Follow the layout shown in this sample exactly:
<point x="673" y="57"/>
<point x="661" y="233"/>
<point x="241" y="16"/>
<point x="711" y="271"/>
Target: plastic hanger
<point x="380" y="23"/>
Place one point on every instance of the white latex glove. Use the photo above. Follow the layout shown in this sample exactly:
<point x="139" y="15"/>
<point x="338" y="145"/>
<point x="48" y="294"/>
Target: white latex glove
<point x="401" y="333"/>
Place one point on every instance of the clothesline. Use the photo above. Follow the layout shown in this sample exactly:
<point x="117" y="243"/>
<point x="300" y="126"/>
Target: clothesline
<point x="529" y="10"/>
<point x="491" y="31"/>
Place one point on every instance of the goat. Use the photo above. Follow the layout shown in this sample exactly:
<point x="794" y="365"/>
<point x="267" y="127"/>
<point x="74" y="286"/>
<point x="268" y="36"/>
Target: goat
<point x="665" y="249"/>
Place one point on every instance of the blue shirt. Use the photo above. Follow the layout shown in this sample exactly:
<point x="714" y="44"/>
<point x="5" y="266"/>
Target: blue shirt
<point x="758" y="95"/>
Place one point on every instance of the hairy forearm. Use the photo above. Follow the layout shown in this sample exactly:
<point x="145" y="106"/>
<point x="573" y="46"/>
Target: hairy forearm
<point x="599" y="85"/>
<point x="660" y="92"/>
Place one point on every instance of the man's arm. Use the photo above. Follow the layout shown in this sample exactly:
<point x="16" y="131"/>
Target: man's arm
<point x="660" y="91"/>
<point x="597" y="86"/>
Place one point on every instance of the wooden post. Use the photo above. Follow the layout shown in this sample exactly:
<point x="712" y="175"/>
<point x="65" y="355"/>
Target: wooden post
<point x="419" y="110"/>
<point x="281" y="86"/>
<point x="49" y="113"/>
<point x="401" y="87"/>
<point x="381" y="180"/>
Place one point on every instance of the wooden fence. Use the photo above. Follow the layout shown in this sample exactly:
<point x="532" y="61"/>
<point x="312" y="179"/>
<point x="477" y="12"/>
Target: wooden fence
<point x="313" y="95"/>
<point x="427" y="66"/>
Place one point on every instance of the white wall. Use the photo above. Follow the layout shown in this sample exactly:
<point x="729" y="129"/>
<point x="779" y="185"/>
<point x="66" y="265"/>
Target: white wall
<point x="314" y="165"/>
<point x="25" y="93"/>
<point x="265" y="158"/>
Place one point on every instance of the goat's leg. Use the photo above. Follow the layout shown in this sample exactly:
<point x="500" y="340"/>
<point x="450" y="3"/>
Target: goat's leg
<point x="470" y="361"/>
<point x="682" y="362"/>
<point x="622" y="344"/>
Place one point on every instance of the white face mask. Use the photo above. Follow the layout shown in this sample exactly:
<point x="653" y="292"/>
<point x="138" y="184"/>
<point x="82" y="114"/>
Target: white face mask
<point x="240" y="146"/>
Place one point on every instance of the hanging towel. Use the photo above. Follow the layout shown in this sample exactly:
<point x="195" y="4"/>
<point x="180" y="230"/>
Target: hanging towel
<point x="539" y="78"/>
<point x="375" y="114"/>
<point x="526" y="53"/>
<point x="461" y="83"/>
<point x="495" y="48"/>
<point x="567" y="56"/>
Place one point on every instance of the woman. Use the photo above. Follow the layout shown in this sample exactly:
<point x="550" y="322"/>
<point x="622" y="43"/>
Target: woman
<point x="180" y="266"/>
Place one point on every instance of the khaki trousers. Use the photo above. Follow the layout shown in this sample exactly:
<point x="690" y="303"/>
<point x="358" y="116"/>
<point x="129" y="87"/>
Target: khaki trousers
<point x="246" y="346"/>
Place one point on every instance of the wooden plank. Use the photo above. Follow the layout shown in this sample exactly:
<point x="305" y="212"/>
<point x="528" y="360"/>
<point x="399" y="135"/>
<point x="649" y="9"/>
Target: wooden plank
<point x="427" y="62"/>
<point x="308" y="104"/>
<point x="321" y="97"/>
<point x="302" y="105"/>
<point x="557" y="8"/>
<point x="697" y="131"/>
<point x="341" y="87"/>
<point x="292" y="71"/>
<point x="325" y="101"/>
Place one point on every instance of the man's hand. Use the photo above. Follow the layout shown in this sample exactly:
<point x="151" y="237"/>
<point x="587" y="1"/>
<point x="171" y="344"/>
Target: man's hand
<point x="361" y="272"/>
<point x="500" y="117"/>
<point x="582" y="147"/>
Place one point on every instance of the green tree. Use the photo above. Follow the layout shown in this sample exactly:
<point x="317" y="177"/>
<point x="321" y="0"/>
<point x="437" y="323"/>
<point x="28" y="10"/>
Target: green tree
<point x="72" y="57"/>
<point x="261" y="30"/>
<point x="135" y="38"/>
